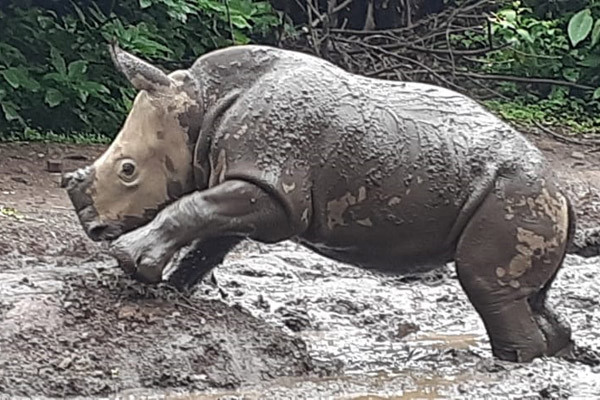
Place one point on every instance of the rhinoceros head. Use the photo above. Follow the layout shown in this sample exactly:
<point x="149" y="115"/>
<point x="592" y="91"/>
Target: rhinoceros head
<point x="149" y="164"/>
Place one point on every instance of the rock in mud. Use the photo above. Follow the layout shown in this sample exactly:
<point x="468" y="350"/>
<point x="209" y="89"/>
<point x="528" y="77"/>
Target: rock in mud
<point x="54" y="165"/>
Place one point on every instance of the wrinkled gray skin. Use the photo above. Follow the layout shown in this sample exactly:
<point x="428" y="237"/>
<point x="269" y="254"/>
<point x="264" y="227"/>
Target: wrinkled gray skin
<point x="392" y="176"/>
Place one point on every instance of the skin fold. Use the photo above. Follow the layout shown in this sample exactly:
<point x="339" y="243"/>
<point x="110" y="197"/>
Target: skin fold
<point x="268" y="144"/>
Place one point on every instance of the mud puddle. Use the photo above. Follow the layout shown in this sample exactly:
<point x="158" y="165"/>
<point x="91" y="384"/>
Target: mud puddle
<point x="404" y="338"/>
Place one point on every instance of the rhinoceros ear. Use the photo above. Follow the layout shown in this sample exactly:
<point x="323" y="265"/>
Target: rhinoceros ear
<point x="142" y="75"/>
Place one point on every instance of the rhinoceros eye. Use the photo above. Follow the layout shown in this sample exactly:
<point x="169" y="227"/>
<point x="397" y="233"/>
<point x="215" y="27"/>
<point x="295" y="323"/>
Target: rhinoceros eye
<point x="127" y="171"/>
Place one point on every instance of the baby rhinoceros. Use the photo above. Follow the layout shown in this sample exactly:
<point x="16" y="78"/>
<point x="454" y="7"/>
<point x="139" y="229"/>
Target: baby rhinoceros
<point x="269" y="144"/>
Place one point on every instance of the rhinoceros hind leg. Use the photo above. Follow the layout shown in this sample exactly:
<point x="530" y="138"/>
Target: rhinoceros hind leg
<point x="506" y="259"/>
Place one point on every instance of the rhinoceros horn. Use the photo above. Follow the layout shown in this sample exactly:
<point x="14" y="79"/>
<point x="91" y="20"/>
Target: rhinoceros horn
<point x="142" y="75"/>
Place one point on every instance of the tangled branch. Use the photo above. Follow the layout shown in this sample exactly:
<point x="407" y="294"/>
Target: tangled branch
<point x="425" y="50"/>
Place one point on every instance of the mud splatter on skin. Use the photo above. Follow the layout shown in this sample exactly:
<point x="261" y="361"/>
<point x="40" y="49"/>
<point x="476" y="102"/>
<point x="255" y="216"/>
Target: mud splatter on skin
<point x="535" y="245"/>
<point x="336" y="208"/>
<point x="218" y="169"/>
<point x="288" y="188"/>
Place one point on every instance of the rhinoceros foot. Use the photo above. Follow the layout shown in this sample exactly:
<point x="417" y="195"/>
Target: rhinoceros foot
<point x="143" y="253"/>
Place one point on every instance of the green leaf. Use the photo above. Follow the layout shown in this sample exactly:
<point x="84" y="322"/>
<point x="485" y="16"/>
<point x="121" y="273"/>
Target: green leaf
<point x="58" y="61"/>
<point x="239" y="22"/>
<point x="240" y="38"/>
<point x="571" y="74"/>
<point x="17" y="77"/>
<point x="591" y="61"/>
<point x="596" y="94"/>
<point x="13" y="76"/>
<point x="93" y="87"/>
<point x="83" y="95"/>
<point x="55" y="76"/>
<point x="213" y="5"/>
<point x="46" y="22"/>
<point x="31" y="84"/>
<point x="145" y="3"/>
<point x="580" y="26"/>
<point x="77" y="69"/>
<point x="53" y="97"/>
<point x="11" y="112"/>
<point x="9" y="52"/>
<point x="509" y="15"/>
<point x="596" y="33"/>
<point x="525" y="35"/>
<point x="79" y="13"/>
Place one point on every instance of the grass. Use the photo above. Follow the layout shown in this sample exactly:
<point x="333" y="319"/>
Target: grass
<point x="572" y="116"/>
<point x="32" y="135"/>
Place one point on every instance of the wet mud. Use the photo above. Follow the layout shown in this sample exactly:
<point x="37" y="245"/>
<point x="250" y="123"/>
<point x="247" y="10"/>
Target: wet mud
<point x="272" y="322"/>
<point x="86" y="331"/>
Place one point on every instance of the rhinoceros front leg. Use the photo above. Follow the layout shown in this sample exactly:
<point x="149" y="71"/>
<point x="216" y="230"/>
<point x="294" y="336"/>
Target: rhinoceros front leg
<point x="198" y="259"/>
<point x="231" y="209"/>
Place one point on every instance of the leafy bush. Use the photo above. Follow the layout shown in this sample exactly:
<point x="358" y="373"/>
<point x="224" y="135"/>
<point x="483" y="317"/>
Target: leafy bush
<point x="57" y="81"/>
<point x="56" y="77"/>
<point x="557" y="40"/>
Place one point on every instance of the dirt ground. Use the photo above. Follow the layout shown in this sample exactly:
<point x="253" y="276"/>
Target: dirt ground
<point x="274" y="322"/>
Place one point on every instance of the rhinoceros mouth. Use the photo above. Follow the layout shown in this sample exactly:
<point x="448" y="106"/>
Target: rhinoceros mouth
<point x="77" y="183"/>
<point x="103" y="232"/>
<point x="95" y="229"/>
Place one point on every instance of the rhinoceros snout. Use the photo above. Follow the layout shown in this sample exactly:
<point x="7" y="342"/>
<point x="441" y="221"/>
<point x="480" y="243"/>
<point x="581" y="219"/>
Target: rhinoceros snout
<point x="77" y="183"/>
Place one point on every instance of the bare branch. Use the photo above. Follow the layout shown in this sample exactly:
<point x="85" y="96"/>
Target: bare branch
<point x="331" y="11"/>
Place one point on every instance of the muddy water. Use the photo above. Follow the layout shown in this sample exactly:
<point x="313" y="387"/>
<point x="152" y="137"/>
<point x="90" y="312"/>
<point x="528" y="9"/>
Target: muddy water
<point x="400" y="338"/>
<point x="86" y="330"/>
<point x="388" y="337"/>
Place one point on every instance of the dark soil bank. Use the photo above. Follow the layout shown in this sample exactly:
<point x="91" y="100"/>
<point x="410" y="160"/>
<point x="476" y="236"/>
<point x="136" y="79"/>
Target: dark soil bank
<point x="274" y="322"/>
<point x="86" y="331"/>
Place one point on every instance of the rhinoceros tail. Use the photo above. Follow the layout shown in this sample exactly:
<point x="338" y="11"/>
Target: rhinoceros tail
<point x="583" y="242"/>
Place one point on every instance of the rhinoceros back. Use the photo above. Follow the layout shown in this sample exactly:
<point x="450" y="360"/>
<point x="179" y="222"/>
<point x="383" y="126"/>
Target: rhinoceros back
<point x="397" y="162"/>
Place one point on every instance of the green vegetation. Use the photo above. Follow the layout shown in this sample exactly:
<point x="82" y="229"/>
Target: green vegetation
<point x="547" y="39"/>
<point x="56" y="78"/>
<point x="57" y="82"/>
